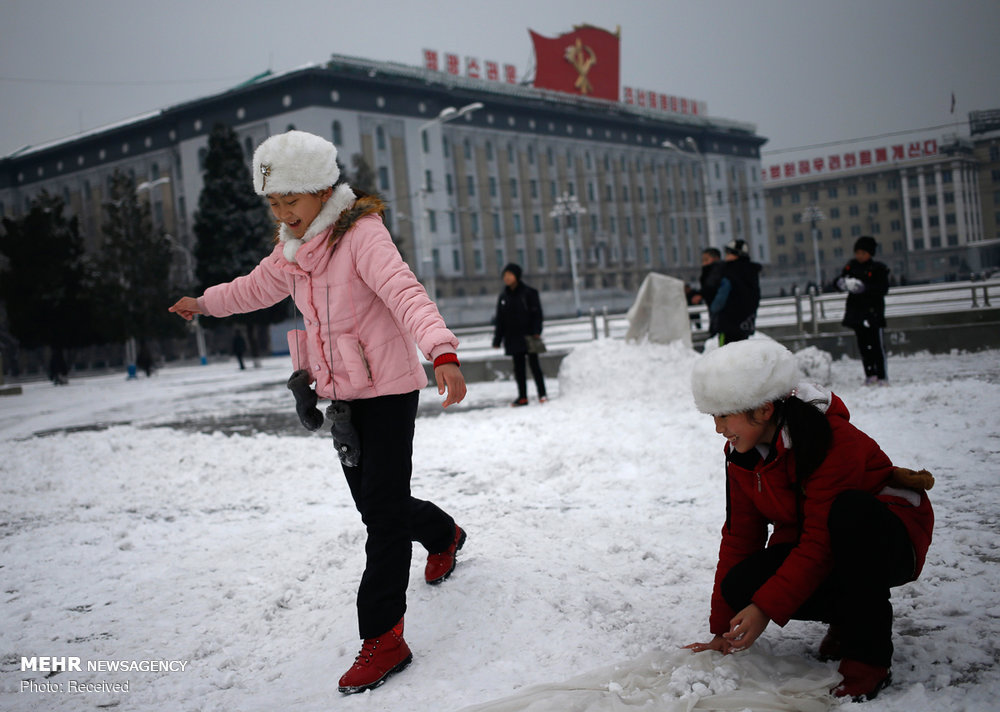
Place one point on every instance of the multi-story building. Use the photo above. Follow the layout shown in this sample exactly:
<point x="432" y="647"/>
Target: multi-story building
<point x="654" y="187"/>
<point x="925" y="201"/>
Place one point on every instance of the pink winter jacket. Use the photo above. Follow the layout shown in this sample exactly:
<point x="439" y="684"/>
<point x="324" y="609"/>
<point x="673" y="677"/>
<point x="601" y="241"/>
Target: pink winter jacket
<point x="363" y="308"/>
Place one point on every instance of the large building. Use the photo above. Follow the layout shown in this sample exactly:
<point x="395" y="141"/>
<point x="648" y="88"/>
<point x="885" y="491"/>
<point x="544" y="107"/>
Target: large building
<point x="933" y="205"/>
<point x="488" y="163"/>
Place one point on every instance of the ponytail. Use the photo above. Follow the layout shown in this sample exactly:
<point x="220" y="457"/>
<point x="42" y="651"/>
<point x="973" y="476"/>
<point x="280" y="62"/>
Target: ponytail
<point x="810" y="433"/>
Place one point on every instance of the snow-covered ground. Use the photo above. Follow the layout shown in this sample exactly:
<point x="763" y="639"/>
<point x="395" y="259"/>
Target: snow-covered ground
<point x="188" y="517"/>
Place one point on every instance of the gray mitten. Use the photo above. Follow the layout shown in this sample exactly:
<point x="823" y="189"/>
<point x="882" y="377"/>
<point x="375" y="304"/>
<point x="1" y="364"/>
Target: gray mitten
<point x="305" y="400"/>
<point x="345" y="437"/>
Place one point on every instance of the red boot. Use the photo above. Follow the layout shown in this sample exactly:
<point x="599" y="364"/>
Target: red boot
<point x="440" y="566"/>
<point x="379" y="658"/>
<point x="861" y="680"/>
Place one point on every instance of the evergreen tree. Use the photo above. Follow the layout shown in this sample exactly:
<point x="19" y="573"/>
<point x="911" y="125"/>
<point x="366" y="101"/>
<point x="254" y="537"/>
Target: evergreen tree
<point x="44" y="284"/>
<point x="234" y="227"/>
<point x="133" y="268"/>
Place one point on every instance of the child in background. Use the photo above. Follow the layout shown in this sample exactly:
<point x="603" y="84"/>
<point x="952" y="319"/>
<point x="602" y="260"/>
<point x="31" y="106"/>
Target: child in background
<point x="847" y="525"/>
<point x="363" y="309"/>
<point x="866" y="282"/>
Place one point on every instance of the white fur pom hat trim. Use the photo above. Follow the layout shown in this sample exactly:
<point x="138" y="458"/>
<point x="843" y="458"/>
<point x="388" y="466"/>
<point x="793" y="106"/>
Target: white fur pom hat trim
<point x="294" y="162"/>
<point x="742" y="376"/>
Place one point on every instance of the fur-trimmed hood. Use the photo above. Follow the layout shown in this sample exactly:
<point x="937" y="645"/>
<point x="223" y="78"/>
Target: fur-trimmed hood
<point x="341" y="211"/>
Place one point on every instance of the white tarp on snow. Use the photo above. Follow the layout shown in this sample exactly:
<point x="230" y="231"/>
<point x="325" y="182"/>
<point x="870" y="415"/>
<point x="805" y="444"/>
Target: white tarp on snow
<point x="680" y="681"/>
<point x="659" y="312"/>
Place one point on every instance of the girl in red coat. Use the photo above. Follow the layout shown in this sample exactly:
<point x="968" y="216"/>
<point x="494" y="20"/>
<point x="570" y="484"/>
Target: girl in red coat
<point x="847" y="525"/>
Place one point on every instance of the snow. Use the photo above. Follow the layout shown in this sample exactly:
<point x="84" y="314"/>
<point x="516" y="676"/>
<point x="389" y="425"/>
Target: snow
<point x="187" y="517"/>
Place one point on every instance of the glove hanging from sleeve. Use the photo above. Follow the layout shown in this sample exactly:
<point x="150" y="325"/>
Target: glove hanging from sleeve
<point x="345" y="438"/>
<point x="305" y="400"/>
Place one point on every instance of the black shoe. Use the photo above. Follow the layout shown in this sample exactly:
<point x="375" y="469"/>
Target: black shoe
<point x="519" y="402"/>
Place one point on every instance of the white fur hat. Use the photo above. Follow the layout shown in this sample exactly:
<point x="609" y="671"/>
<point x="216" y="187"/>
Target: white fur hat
<point x="742" y="376"/>
<point x="294" y="162"/>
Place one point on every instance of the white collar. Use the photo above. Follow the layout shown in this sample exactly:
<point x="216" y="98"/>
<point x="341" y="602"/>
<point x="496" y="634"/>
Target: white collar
<point x="343" y="197"/>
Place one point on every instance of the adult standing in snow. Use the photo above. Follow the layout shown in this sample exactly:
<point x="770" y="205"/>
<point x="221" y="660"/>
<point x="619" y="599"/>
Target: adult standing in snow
<point x="518" y="325"/>
<point x="363" y="309"/>
<point x="847" y="525"/>
<point x="709" y="280"/>
<point x="733" y="309"/>
<point x="866" y="283"/>
<point x="239" y="348"/>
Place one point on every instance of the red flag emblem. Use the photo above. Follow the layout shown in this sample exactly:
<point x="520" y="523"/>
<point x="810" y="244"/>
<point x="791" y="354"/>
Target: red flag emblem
<point x="583" y="62"/>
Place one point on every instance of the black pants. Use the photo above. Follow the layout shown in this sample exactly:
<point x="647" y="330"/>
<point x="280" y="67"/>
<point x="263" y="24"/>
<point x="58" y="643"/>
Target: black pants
<point x="872" y="350"/>
<point x="521" y="376"/>
<point x="872" y="553"/>
<point x="380" y="485"/>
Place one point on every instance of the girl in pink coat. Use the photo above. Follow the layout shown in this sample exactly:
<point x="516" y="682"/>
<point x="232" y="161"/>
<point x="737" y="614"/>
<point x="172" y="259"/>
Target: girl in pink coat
<point x="362" y="309"/>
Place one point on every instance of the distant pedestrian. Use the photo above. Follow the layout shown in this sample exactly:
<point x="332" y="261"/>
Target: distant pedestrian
<point x="734" y="307"/>
<point x="58" y="370"/>
<point x="866" y="283"/>
<point x="239" y="347"/>
<point x="144" y="359"/>
<point x="363" y="311"/>
<point x="518" y="326"/>
<point x="712" y="267"/>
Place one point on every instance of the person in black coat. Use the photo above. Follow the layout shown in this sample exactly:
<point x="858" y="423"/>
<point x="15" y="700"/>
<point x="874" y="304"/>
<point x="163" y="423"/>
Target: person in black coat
<point x="712" y="267"/>
<point x="866" y="283"/>
<point x="734" y="308"/>
<point x="519" y="315"/>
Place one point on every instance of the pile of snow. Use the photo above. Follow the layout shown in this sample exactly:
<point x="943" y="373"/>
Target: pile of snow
<point x="593" y="525"/>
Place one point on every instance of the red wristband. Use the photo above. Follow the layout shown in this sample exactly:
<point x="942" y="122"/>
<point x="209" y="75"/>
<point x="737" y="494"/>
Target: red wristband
<point x="446" y="358"/>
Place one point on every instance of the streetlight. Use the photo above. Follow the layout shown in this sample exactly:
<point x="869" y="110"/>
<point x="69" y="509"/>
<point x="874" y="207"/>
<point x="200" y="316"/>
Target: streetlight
<point x="814" y="215"/>
<point x="692" y="148"/>
<point x="569" y="207"/>
<point x="427" y="252"/>
<point x="189" y="260"/>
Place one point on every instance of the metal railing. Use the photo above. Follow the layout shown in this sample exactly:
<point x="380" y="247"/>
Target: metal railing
<point x="805" y="311"/>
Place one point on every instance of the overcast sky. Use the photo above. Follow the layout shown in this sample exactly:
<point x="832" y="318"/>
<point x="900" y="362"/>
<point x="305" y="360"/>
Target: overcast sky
<point x="804" y="72"/>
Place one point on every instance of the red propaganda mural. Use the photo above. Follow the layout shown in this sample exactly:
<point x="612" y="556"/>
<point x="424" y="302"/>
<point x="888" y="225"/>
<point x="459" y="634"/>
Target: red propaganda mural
<point x="584" y="62"/>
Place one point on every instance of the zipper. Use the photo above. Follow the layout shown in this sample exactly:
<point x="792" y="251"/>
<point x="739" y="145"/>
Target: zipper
<point x="758" y="481"/>
<point x="364" y="360"/>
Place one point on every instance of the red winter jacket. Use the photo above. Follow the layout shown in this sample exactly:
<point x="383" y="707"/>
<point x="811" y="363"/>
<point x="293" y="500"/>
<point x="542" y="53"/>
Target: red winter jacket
<point x="766" y="495"/>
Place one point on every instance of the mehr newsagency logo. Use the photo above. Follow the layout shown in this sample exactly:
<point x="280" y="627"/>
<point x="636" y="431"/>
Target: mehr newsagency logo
<point x="53" y="665"/>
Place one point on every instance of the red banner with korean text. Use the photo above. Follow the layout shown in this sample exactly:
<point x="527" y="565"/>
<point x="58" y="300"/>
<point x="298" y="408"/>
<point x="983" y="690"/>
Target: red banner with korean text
<point x="583" y="62"/>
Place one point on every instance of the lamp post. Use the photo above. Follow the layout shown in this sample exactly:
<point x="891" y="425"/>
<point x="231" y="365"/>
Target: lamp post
<point x="199" y="335"/>
<point x="692" y="149"/>
<point x="429" y="273"/>
<point x="569" y="207"/>
<point x="814" y="215"/>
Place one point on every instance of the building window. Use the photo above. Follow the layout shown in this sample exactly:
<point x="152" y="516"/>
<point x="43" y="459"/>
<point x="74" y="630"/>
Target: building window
<point x="533" y="186"/>
<point x="493" y="187"/>
<point x="517" y="223"/>
<point x="383" y="178"/>
<point x="432" y="223"/>
<point x="895" y="225"/>
<point x="513" y="187"/>
<point x="893" y="204"/>
<point x="872" y="208"/>
<point x="474" y="223"/>
<point x="799" y="237"/>
<point x="470" y="184"/>
<point x="380" y="138"/>
<point x="946" y="176"/>
<point x="776" y="201"/>
<point x="489" y="150"/>
<point x="852" y="189"/>
<point x="855" y="230"/>
<point x="836" y="232"/>
<point x="852" y="211"/>
<point x="831" y="193"/>
<point x="779" y="239"/>
<point x="449" y="184"/>
<point x="428" y="181"/>
<point x="426" y="141"/>
<point x="467" y="149"/>
<point x="872" y="187"/>
<point x="917" y="223"/>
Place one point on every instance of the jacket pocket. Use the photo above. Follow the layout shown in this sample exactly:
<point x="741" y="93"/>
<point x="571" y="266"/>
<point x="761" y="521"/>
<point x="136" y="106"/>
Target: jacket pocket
<point x="355" y="362"/>
<point x="297" y="350"/>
